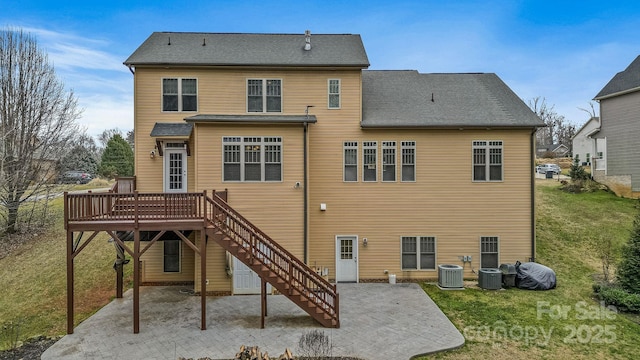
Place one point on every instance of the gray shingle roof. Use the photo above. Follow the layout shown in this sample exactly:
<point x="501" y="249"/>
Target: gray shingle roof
<point x="625" y="80"/>
<point x="404" y="99"/>
<point x="180" y="48"/>
<point x="171" y="129"/>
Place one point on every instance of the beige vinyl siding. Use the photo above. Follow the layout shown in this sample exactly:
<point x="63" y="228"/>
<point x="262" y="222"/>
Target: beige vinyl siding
<point x="443" y="202"/>
<point x="153" y="264"/>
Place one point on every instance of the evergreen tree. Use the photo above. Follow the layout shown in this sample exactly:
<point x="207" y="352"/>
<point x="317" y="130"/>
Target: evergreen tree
<point x="117" y="158"/>
<point x="629" y="269"/>
<point x="577" y="172"/>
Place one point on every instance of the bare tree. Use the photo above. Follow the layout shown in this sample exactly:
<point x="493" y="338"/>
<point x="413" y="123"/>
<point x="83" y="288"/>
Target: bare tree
<point x="557" y="130"/>
<point x="37" y="123"/>
<point x="106" y="135"/>
<point x="591" y="111"/>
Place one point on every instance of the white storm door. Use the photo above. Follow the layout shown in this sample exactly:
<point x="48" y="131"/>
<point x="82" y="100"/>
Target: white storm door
<point x="346" y="259"/>
<point x="245" y="281"/>
<point x="175" y="170"/>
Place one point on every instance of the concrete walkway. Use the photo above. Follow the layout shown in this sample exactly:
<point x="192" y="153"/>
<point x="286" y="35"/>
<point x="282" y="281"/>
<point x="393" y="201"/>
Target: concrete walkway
<point x="378" y="321"/>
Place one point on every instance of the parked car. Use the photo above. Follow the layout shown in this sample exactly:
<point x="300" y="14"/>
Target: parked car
<point x="75" y="177"/>
<point x="543" y="168"/>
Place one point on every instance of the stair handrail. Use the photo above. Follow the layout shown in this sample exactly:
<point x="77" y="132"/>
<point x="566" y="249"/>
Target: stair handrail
<point x="220" y="206"/>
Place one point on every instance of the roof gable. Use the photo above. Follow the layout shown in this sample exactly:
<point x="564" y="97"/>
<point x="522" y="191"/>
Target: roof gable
<point x="412" y="99"/>
<point x="226" y="49"/>
<point x="622" y="82"/>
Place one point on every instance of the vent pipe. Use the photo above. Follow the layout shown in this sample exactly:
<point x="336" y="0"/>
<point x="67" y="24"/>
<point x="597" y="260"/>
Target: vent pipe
<point x="307" y="40"/>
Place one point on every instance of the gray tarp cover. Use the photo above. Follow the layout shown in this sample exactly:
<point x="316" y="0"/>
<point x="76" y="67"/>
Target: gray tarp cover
<point x="534" y="276"/>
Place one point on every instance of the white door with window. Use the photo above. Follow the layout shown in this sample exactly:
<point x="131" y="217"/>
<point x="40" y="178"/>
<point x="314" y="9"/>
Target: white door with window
<point x="347" y="258"/>
<point x="245" y="281"/>
<point x="175" y="170"/>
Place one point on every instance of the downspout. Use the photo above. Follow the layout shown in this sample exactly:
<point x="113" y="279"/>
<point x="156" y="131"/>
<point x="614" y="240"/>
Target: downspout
<point x="304" y="189"/>
<point x="533" y="196"/>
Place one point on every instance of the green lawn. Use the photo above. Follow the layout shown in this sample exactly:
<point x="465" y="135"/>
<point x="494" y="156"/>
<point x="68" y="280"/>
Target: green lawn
<point x="564" y="323"/>
<point x="33" y="281"/>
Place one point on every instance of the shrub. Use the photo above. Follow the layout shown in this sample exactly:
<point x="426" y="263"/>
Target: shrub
<point x="618" y="297"/>
<point x="315" y="345"/>
<point x="629" y="269"/>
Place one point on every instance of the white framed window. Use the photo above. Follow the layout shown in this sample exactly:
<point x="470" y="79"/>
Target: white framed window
<point x="334" y="93"/>
<point x="171" y="251"/>
<point x="252" y="158"/>
<point x="418" y="252"/>
<point x="264" y="95"/>
<point x="369" y="161"/>
<point x="408" y="149"/>
<point x="388" y="161"/>
<point x="489" y="252"/>
<point x="179" y="94"/>
<point x="487" y="160"/>
<point x="350" y="161"/>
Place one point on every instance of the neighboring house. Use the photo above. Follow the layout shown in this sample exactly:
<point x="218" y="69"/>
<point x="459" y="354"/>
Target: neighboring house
<point x="587" y="148"/>
<point x="357" y="173"/>
<point x="619" y="127"/>
<point x="558" y="150"/>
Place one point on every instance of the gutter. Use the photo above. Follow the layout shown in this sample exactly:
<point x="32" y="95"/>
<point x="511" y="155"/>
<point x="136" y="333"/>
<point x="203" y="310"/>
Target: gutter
<point x="533" y="196"/>
<point x="306" y="193"/>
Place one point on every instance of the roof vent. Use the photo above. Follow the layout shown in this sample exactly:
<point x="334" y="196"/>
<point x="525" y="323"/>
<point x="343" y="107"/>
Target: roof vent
<point x="307" y="40"/>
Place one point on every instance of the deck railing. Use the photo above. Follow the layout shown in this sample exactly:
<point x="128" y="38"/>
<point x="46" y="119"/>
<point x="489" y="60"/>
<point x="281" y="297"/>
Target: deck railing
<point x="115" y="206"/>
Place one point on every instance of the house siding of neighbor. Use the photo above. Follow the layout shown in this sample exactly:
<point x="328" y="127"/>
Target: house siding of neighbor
<point x="619" y="114"/>
<point x="359" y="173"/>
<point x="588" y="148"/>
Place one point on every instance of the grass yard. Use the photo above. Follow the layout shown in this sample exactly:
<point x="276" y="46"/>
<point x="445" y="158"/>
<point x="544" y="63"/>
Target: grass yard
<point x="33" y="282"/>
<point x="564" y="323"/>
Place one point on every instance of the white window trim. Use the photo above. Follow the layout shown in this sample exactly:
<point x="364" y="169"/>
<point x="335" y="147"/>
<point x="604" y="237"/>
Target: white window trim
<point x="179" y="257"/>
<point x="263" y="162"/>
<point x="179" y="95"/>
<point x="404" y="144"/>
<point x="480" y="248"/>
<point x="435" y="253"/>
<point x="344" y="160"/>
<point x="264" y="96"/>
<point x="329" y="93"/>
<point x="487" y="164"/>
<point x="364" y="154"/>
<point x="386" y="145"/>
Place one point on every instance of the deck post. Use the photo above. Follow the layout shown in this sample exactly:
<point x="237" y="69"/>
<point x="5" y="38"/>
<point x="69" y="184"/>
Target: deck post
<point x="136" y="281"/>
<point x="69" y="280"/>
<point x="263" y="302"/>
<point x="203" y="278"/>
<point x="119" y="280"/>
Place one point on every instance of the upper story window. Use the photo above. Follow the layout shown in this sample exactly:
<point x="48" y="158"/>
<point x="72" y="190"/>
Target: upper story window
<point x="179" y="94"/>
<point x="408" y="149"/>
<point x="334" y="94"/>
<point x="252" y="158"/>
<point x="350" y="160"/>
<point x="487" y="160"/>
<point x="369" y="160"/>
<point x="388" y="161"/>
<point x="264" y="95"/>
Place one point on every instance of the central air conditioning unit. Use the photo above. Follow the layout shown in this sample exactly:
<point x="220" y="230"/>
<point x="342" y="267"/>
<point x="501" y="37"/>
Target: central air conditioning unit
<point x="450" y="276"/>
<point x="490" y="279"/>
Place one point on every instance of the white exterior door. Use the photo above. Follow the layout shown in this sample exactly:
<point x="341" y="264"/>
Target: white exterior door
<point x="347" y="258"/>
<point x="175" y="170"/>
<point x="245" y="281"/>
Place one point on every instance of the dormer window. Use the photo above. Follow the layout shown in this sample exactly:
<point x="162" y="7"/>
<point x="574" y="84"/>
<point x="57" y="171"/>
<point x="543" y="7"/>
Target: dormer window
<point x="264" y="95"/>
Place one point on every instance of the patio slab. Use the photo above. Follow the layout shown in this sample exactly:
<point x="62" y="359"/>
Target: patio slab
<point x="378" y="321"/>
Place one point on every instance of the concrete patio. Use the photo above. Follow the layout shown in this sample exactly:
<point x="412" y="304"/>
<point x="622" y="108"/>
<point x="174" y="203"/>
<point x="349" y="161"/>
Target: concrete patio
<point x="378" y="321"/>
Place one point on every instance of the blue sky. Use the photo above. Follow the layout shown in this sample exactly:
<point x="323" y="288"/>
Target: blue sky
<point x="564" y="51"/>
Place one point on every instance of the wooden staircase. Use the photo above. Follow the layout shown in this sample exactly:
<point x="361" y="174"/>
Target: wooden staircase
<point x="273" y="263"/>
